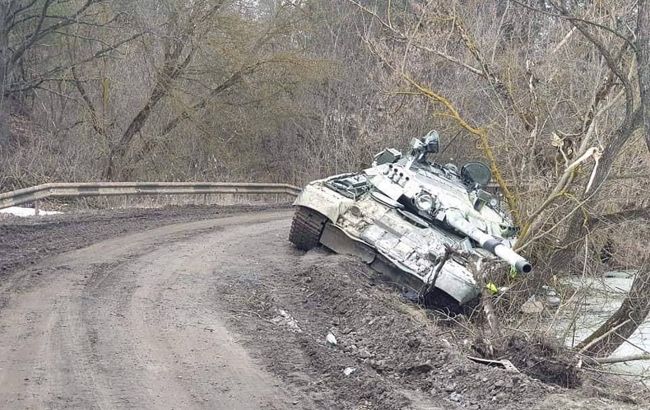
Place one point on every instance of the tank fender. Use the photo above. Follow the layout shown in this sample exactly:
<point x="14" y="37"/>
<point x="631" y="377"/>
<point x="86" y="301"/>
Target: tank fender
<point x="324" y="200"/>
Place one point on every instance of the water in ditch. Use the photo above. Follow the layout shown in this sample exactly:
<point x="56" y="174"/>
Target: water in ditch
<point x="601" y="297"/>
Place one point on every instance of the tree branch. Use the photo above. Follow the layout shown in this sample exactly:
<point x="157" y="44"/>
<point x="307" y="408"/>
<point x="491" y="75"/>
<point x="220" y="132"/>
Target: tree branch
<point x="622" y="359"/>
<point x="47" y="76"/>
<point x="39" y="32"/>
<point x="84" y="95"/>
<point x="620" y="216"/>
<point x="643" y="64"/>
<point x="574" y="20"/>
<point x="403" y="37"/>
<point x="231" y="81"/>
<point x="11" y="16"/>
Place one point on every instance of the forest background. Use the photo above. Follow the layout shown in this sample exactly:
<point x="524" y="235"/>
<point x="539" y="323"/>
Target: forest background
<point x="553" y="95"/>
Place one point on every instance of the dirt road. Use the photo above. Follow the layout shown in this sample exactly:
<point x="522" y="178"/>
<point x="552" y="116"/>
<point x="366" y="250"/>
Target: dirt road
<point x="225" y="314"/>
<point x="131" y="322"/>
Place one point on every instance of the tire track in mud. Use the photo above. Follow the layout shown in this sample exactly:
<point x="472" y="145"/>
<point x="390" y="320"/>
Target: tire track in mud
<point x="130" y="323"/>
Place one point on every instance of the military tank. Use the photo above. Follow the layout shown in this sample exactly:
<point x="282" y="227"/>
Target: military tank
<point x="418" y="221"/>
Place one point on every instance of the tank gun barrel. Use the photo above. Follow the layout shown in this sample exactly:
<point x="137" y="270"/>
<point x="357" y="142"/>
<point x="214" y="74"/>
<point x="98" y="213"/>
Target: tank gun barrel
<point x="487" y="242"/>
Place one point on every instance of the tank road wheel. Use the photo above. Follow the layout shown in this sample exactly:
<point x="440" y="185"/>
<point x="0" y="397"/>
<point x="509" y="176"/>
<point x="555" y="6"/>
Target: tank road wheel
<point x="306" y="228"/>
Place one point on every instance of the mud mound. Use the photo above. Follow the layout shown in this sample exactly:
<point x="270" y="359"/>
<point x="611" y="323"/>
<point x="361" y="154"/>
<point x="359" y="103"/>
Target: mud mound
<point x="388" y="353"/>
<point x="543" y="360"/>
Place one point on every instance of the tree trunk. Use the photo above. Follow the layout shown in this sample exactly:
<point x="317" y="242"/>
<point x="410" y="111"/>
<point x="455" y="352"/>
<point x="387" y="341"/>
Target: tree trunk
<point x="641" y="117"/>
<point x="5" y="133"/>
<point x="118" y="153"/>
<point x="643" y="64"/>
<point x="5" y="139"/>
<point x="624" y="322"/>
<point x="576" y="227"/>
<point x="173" y="66"/>
<point x="636" y="306"/>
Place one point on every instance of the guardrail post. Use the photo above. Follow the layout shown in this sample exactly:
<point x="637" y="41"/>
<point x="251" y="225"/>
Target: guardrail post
<point x="37" y="207"/>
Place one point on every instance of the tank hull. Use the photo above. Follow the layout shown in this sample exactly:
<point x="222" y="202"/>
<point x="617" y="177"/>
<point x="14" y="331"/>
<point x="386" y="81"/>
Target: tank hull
<point x="389" y="242"/>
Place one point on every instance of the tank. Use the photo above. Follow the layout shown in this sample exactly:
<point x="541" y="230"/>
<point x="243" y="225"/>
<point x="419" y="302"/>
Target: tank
<point x="420" y="222"/>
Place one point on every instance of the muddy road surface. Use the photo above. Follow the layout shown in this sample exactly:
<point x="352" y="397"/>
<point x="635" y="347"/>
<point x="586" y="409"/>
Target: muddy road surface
<point x="132" y="322"/>
<point x="224" y="314"/>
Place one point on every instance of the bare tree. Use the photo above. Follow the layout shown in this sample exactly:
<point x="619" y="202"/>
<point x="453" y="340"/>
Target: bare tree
<point x="643" y="64"/>
<point x="625" y="321"/>
<point x="24" y="26"/>
<point x="184" y="85"/>
<point x="556" y="122"/>
<point x="635" y="307"/>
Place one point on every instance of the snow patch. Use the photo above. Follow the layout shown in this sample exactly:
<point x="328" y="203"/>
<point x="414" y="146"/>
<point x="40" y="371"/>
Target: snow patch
<point x="25" y="212"/>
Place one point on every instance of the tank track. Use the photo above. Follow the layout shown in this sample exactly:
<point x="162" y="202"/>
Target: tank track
<point x="306" y="228"/>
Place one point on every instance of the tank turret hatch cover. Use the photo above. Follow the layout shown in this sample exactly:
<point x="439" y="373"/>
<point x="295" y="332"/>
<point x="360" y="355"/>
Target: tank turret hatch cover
<point x="476" y="173"/>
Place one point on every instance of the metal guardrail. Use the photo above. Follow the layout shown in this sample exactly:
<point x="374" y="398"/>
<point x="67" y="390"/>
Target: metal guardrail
<point x="44" y="191"/>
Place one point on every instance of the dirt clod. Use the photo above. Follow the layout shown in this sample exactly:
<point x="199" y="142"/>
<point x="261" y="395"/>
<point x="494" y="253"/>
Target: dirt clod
<point x="543" y="360"/>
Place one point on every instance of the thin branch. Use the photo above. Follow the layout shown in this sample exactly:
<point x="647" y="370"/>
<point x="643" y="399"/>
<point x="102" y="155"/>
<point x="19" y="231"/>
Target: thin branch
<point x="574" y="19"/>
<point x="451" y="59"/>
<point x="611" y="331"/>
<point x="93" y="111"/>
<point x="12" y="16"/>
<point x="35" y="35"/>
<point x="231" y="81"/>
<point x="403" y="37"/>
<point x="40" y="33"/>
<point x="618" y="217"/>
<point x="47" y="76"/>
